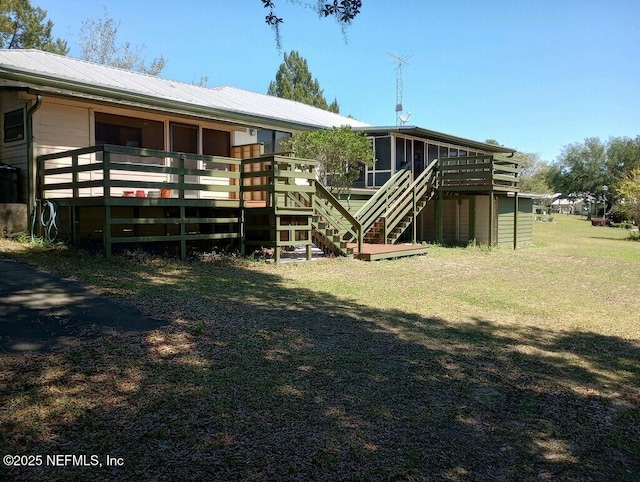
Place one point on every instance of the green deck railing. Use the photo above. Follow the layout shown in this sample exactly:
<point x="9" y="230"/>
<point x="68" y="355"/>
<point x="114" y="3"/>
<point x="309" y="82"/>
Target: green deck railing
<point x="388" y="194"/>
<point x="279" y="180"/>
<point x="409" y="204"/>
<point x="278" y="195"/>
<point x="478" y="173"/>
<point x="112" y="171"/>
<point x="337" y="216"/>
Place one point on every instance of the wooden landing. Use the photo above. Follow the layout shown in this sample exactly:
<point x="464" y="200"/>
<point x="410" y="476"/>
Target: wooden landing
<point x="374" y="252"/>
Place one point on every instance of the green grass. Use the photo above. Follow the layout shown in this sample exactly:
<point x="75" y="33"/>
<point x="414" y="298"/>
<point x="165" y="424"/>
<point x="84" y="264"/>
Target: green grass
<point x="465" y="364"/>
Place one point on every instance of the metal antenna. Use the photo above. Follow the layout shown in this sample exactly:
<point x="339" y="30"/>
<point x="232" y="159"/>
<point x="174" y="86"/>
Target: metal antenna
<point x="400" y="60"/>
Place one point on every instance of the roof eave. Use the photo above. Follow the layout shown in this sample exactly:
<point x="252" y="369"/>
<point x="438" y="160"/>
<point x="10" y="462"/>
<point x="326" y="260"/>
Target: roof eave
<point x="439" y="136"/>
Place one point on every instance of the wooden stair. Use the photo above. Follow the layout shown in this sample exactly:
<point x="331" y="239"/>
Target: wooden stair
<point x="328" y="238"/>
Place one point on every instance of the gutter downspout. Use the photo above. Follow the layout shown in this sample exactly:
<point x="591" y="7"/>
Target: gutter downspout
<point x="32" y="167"/>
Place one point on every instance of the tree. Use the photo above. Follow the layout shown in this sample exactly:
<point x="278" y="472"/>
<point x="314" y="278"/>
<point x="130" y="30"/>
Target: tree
<point x="623" y="156"/>
<point x="340" y="151"/>
<point x="629" y="192"/>
<point x="343" y="11"/>
<point x="294" y="81"/>
<point x="581" y="170"/>
<point x="98" y="44"/>
<point x="533" y="173"/>
<point x="25" y="27"/>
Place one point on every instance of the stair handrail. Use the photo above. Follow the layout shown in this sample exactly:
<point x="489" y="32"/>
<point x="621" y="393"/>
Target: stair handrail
<point x="399" y="209"/>
<point x="386" y="195"/>
<point x="352" y="226"/>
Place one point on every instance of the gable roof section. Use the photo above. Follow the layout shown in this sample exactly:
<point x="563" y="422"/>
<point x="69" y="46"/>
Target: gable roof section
<point x="57" y="73"/>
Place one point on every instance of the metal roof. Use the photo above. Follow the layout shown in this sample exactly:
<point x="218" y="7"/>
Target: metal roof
<point x="436" y="136"/>
<point x="36" y="68"/>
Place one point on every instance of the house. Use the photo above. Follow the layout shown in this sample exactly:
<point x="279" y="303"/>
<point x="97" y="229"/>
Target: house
<point x="106" y="145"/>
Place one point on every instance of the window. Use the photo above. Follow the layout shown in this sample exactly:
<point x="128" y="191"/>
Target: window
<point x="272" y="140"/>
<point x="399" y="152"/>
<point x="184" y="138"/>
<point x="383" y="153"/>
<point x="129" y="131"/>
<point x="216" y="143"/>
<point x="14" y="125"/>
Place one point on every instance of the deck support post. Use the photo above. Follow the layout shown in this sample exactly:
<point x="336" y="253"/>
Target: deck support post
<point x="106" y="232"/>
<point x="492" y="218"/>
<point x="242" y="221"/>
<point x="440" y="217"/>
<point x="472" y="218"/>
<point x="415" y="218"/>
<point x="183" y="233"/>
<point x="515" y="220"/>
<point x="75" y="225"/>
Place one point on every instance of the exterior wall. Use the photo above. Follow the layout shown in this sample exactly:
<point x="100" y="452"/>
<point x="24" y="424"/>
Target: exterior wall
<point x="356" y="201"/>
<point x="457" y="217"/>
<point x="456" y="221"/>
<point x="15" y="153"/>
<point x="243" y="137"/>
<point x="525" y="221"/>
<point x="482" y="219"/>
<point x="59" y="127"/>
<point x="427" y="229"/>
<point x="65" y="124"/>
<point x="459" y="214"/>
<point x="506" y="221"/>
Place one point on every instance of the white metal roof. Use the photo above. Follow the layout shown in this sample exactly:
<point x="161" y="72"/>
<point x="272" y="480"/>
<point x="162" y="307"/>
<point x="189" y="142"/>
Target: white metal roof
<point x="32" y="66"/>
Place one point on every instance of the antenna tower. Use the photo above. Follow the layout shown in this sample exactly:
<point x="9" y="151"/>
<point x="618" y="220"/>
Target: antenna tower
<point x="399" y="60"/>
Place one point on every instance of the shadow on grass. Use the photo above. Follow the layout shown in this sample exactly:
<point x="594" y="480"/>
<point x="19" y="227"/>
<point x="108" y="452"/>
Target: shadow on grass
<point x="41" y="312"/>
<point x="256" y="380"/>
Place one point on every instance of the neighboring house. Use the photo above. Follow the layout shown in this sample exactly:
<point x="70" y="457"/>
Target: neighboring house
<point x="52" y="104"/>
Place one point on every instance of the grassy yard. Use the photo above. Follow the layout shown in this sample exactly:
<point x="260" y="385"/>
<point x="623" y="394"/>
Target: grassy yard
<point x="464" y="364"/>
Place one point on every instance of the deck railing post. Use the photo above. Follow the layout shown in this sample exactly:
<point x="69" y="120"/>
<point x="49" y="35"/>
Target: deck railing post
<point x="440" y="217"/>
<point x="415" y="217"/>
<point x="106" y="173"/>
<point x="515" y="220"/>
<point x="183" y="233"/>
<point x="181" y="164"/>
<point x="74" y="176"/>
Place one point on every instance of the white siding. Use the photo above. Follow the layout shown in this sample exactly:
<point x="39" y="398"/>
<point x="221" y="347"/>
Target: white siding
<point x="59" y="127"/>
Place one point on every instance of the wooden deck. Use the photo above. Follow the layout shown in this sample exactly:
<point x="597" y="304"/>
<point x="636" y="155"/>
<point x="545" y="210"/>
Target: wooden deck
<point x="374" y="252"/>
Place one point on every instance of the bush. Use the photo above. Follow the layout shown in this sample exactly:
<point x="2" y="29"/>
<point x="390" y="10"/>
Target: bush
<point x="599" y="222"/>
<point x="617" y="216"/>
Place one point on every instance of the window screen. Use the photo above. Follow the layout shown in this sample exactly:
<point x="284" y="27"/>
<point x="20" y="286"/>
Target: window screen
<point x="14" y="125"/>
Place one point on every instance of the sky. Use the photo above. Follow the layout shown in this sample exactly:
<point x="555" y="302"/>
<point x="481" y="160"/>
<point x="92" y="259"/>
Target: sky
<point x="535" y="75"/>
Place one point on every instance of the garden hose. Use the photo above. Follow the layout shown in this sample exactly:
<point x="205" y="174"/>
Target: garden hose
<point x="48" y="221"/>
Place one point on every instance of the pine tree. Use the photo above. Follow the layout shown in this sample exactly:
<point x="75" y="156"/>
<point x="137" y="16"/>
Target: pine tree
<point x="23" y="26"/>
<point x="294" y="81"/>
